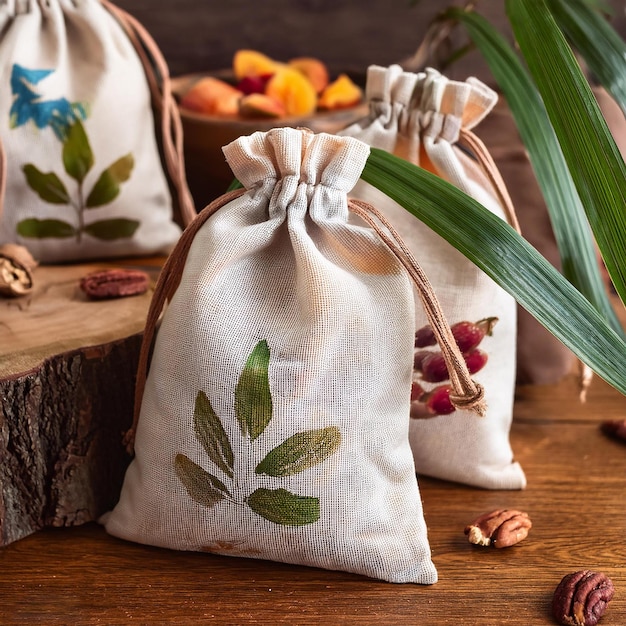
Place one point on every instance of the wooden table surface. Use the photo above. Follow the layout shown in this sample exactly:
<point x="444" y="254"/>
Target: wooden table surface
<point x="576" y="498"/>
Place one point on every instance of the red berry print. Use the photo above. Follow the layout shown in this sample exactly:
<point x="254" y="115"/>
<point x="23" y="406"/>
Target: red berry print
<point x="419" y="356"/>
<point x="430" y="366"/>
<point x="432" y="403"/>
<point x="438" y="400"/>
<point x="434" y="368"/>
<point x="417" y="391"/>
<point x="475" y="360"/>
<point x="425" y="337"/>
<point x="466" y="334"/>
<point x="469" y="334"/>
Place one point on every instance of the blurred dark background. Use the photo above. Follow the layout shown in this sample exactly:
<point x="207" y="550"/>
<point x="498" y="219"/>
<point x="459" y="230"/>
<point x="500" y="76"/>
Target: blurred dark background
<point x="348" y="35"/>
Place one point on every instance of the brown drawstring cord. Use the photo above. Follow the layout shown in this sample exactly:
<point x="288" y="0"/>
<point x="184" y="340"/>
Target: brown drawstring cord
<point x="467" y="393"/>
<point x="493" y="174"/>
<point x="166" y="286"/>
<point x="171" y="125"/>
<point x="585" y="374"/>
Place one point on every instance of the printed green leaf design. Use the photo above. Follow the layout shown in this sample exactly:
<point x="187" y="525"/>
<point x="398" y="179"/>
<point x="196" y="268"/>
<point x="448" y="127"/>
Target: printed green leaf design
<point x="283" y="507"/>
<point x="203" y="487"/>
<point x="48" y="187"/>
<point x="109" y="230"/>
<point x="77" y="154"/>
<point x="39" y="229"/>
<point x="300" y="451"/>
<point x="211" y="434"/>
<point x="253" y="400"/>
<point x="107" y="187"/>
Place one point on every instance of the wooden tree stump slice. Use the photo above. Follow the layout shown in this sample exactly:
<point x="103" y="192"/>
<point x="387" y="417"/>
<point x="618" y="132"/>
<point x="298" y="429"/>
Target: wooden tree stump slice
<point x="67" y="378"/>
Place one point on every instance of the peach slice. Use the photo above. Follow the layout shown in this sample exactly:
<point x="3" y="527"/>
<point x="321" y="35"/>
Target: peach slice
<point x="259" y="105"/>
<point x="294" y="91"/>
<point x="340" y="94"/>
<point x="212" y="96"/>
<point x="313" y="69"/>
<point x="253" y="63"/>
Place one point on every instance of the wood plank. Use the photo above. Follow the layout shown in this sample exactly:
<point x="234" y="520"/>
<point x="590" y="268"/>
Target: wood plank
<point x="576" y="482"/>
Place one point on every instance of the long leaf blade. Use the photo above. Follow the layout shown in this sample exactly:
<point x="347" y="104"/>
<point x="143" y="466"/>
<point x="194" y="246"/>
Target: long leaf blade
<point x="594" y="160"/>
<point x="507" y="258"/>
<point x="567" y="215"/>
<point x="598" y="43"/>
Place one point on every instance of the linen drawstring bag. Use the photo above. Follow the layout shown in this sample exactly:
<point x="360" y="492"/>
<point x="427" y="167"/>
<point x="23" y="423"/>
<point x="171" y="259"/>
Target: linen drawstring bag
<point x="273" y="422"/>
<point x="428" y="120"/>
<point x="81" y="174"/>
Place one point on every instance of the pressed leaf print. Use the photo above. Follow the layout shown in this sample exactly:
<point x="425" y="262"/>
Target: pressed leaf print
<point x="211" y="434"/>
<point x="40" y="229"/>
<point x="107" y="187"/>
<point x="78" y="159"/>
<point x="108" y="230"/>
<point x="283" y="507"/>
<point x="253" y="400"/>
<point x="48" y="186"/>
<point x="253" y="410"/>
<point x="77" y="155"/>
<point x="201" y="486"/>
<point x="300" y="451"/>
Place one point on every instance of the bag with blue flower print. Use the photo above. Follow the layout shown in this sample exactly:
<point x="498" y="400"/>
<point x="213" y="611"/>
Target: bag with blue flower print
<point x="81" y="174"/>
<point x="427" y="119"/>
<point x="273" y="422"/>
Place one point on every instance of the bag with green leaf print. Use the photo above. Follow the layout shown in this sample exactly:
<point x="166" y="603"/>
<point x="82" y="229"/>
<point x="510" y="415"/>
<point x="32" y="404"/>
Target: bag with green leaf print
<point x="82" y="176"/>
<point x="273" y="421"/>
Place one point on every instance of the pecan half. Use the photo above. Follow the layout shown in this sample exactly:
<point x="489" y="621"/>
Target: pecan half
<point x="615" y="429"/>
<point x="114" y="283"/>
<point x="501" y="528"/>
<point x="581" y="598"/>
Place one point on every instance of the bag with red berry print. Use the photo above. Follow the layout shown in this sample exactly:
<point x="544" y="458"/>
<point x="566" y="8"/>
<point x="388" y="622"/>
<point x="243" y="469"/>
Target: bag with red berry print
<point x="85" y="172"/>
<point x="272" y="422"/>
<point x="428" y="120"/>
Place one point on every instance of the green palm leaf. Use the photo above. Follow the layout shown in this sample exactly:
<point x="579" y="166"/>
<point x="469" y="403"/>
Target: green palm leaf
<point x="594" y="160"/>
<point x="597" y="42"/>
<point x="507" y="258"/>
<point x="567" y="215"/>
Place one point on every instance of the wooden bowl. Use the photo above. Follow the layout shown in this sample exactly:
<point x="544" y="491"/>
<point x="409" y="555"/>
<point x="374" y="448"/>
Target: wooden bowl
<point x="208" y="174"/>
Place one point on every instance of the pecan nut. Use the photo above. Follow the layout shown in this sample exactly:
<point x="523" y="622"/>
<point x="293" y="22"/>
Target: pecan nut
<point x="581" y="598"/>
<point x="114" y="283"/>
<point x="501" y="528"/>
<point x="614" y="428"/>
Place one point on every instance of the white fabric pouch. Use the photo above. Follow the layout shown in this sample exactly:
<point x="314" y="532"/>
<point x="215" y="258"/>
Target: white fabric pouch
<point x="82" y="171"/>
<point x="424" y="118"/>
<point x="274" y="419"/>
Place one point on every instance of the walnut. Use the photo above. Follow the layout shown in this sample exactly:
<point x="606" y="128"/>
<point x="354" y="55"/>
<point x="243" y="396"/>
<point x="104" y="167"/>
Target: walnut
<point x="500" y="529"/>
<point x="16" y="265"/>
<point x="581" y="598"/>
